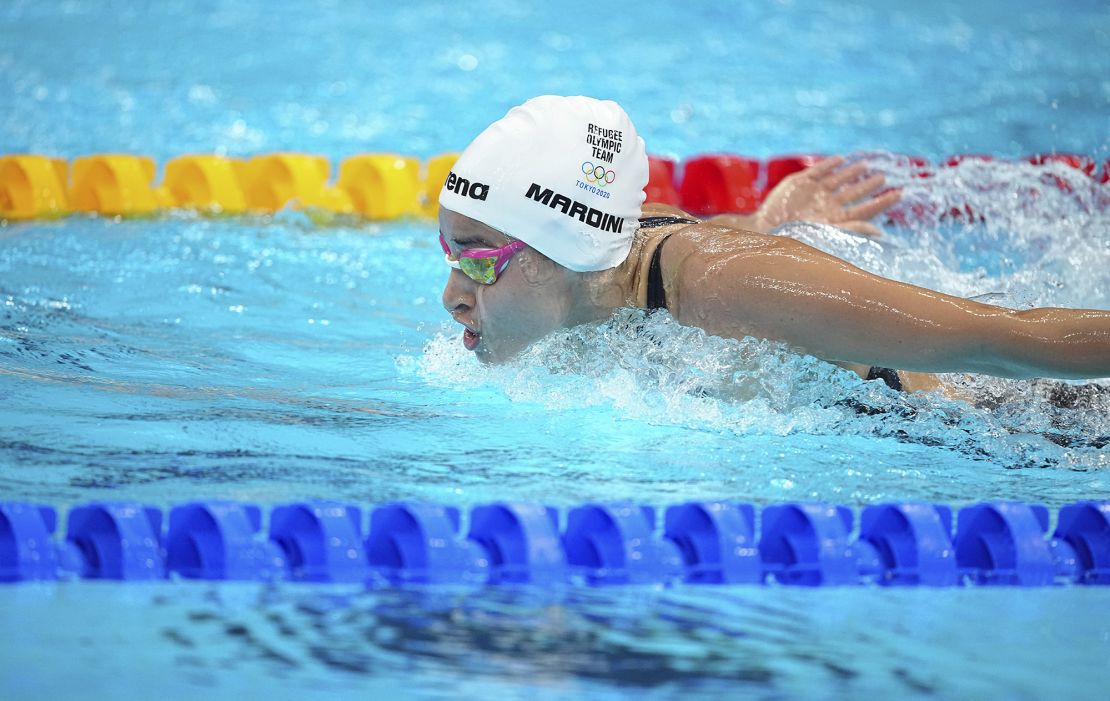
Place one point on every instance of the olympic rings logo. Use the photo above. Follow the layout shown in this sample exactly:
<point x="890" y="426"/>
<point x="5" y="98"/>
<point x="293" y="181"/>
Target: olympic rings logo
<point x="598" y="174"/>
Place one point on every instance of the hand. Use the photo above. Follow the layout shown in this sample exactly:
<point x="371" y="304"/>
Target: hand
<point x="825" y="195"/>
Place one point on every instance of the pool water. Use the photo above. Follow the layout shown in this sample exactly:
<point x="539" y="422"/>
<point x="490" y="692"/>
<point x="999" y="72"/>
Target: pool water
<point x="269" y="359"/>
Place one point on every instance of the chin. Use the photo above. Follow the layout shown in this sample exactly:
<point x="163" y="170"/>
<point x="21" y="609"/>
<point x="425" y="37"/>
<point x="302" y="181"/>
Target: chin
<point x="498" y="353"/>
<point x="485" y="357"/>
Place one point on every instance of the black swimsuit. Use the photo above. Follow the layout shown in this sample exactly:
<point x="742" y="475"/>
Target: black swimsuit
<point x="657" y="296"/>
<point x="890" y="377"/>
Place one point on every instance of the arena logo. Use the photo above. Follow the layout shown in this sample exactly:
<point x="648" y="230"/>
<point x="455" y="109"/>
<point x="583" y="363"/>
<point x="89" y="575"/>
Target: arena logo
<point x="465" y="188"/>
<point x="583" y="213"/>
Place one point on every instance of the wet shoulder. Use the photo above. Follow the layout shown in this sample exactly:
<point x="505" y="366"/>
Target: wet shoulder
<point x="710" y="240"/>
<point x="708" y="271"/>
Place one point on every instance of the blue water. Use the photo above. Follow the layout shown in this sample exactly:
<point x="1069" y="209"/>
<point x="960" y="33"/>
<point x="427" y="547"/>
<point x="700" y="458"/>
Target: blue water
<point x="760" y="78"/>
<point x="270" y="359"/>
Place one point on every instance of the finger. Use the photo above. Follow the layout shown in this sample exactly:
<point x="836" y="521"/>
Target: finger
<point x="861" y="189"/>
<point x="862" y="227"/>
<point x="825" y="165"/>
<point x="845" y="175"/>
<point x="872" y="207"/>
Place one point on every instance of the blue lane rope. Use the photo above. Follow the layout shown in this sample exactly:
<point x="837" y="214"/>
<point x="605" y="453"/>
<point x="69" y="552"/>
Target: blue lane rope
<point x="808" y="544"/>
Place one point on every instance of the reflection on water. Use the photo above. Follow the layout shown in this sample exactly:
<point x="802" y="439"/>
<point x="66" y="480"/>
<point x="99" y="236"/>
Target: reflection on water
<point x="602" y="643"/>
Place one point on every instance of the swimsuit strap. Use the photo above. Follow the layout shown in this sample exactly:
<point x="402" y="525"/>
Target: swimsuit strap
<point x="890" y="377"/>
<point x="656" y="295"/>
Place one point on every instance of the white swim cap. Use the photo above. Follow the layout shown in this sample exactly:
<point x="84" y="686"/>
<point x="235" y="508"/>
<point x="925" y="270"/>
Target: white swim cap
<point x="566" y="175"/>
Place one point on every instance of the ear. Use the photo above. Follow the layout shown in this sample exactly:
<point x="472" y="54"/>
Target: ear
<point x="537" y="268"/>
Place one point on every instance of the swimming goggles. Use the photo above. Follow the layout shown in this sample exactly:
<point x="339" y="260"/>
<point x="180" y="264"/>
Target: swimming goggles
<point x="482" y="265"/>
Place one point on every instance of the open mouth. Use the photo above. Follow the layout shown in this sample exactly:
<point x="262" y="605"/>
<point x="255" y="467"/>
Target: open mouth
<point x="471" y="339"/>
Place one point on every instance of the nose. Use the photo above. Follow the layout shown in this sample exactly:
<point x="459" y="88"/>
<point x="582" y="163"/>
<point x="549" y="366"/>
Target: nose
<point x="458" y="294"/>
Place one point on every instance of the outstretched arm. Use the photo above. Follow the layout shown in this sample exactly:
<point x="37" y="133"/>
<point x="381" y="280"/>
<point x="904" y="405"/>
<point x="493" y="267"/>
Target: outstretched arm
<point x="778" y="288"/>
<point x="824" y="193"/>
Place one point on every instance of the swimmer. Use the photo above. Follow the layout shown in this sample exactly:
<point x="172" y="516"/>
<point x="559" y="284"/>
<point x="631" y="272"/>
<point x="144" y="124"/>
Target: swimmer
<point x="542" y="219"/>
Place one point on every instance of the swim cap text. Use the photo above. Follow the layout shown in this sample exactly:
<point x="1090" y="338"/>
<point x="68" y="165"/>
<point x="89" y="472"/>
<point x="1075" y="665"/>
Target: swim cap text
<point x="594" y="217"/>
<point x="604" y="143"/>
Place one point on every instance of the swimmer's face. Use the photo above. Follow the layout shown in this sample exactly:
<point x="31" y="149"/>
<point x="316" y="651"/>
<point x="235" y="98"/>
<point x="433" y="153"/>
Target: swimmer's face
<point x="532" y="297"/>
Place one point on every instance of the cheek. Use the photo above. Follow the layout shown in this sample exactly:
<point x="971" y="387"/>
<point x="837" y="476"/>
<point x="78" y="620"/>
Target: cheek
<point x="516" y="317"/>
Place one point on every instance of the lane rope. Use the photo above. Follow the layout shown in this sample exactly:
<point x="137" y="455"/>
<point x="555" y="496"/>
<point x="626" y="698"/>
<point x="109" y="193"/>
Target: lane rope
<point x="374" y="186"/>
<point x="796" y="543"/>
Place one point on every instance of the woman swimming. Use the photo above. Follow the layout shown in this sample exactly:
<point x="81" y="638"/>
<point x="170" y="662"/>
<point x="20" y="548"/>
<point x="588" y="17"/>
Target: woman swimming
<point x="556" y="189"/>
